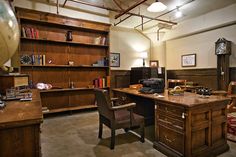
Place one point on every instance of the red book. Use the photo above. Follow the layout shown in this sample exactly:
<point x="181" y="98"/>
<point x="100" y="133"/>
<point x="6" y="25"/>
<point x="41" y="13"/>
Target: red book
<point x="32" y="32"/>
<point x="100" y="83"/>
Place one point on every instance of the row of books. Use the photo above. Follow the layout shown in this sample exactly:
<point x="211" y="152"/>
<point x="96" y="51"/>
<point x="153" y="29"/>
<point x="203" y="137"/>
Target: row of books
<point x="102" y="62"/>
<point x="30" y="32"/>
<point x="101" y="82"/>
<point x="33" y="59"/>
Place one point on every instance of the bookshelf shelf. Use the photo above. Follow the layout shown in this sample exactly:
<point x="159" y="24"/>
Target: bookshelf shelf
<point x="62" y="24"/>
<point x="64" y="66"/>
<point x="46" y="56"/>
<point x="65" y="42"/>
<point x="68" y="89"/>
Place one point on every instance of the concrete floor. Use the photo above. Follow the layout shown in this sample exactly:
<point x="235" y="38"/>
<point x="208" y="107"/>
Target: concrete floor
<point x="76" y="136"/>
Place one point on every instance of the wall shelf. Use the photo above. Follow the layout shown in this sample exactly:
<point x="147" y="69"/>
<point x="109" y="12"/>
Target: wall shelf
<point x="64" y="66"/>
<point x="64" y="42"/>
<point x="63" y="24"/>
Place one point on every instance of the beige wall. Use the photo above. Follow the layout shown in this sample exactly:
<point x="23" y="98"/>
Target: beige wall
<point x="203" y="45"/>
<point x="72" y="9"/>
<point x="198" y="35"/>
<point x="129" y="43"/>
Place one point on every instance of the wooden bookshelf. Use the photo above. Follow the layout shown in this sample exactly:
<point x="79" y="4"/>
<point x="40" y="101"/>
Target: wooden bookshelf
<point x="45" y="55"/>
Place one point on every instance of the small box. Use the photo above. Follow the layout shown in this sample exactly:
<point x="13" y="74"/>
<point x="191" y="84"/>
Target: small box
<point x="9" y="81"/>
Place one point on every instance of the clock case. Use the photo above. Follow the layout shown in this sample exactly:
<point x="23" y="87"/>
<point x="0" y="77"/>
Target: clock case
<point x="227" y="43"/>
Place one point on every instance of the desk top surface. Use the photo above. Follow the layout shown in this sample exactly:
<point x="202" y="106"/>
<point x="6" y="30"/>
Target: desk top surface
<point x="186" y="100"/>
<point x="18" y="113"/>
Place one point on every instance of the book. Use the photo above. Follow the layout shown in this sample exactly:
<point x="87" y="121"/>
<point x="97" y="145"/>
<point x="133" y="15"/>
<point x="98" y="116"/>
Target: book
<point x="23" y="32"/>
<point x="108" y="81"/>
<point x="100" y="83"/>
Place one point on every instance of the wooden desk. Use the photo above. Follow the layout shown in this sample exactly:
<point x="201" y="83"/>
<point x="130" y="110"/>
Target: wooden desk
<point x="187" y="125"/>
<point x="20" y="128"/>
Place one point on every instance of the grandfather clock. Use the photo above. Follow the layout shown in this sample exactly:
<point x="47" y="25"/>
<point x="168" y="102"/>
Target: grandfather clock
<point x="223" y="51"/>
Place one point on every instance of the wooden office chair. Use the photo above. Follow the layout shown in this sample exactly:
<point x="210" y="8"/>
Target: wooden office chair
<point x="116" y="117"/>
<point x="171" y="83"/>
<point x="232" y="94"/>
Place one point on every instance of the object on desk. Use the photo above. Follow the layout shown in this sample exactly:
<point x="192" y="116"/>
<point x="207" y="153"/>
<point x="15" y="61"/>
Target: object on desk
<point x="204" y="91"/>
<point x="2" y="104"/>
<point x="25" y="99"/>
<point x="10" y="93"/>
<point x="9" y="81"/>
<point x="43" y="86"/>
<point x="176" y="91"/>
<point x="136" y="86"/>
<point x="152" y="85"/>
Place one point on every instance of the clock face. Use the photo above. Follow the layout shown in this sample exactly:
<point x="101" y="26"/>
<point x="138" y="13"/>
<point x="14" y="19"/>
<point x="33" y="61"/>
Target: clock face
<point x="221" y="48"/>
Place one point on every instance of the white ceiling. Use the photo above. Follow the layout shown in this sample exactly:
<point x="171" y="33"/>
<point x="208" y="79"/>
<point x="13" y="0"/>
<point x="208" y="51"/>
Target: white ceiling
<point x="192" y="9"/>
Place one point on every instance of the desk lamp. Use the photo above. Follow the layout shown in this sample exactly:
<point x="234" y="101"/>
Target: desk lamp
<point x="143" y="55"/>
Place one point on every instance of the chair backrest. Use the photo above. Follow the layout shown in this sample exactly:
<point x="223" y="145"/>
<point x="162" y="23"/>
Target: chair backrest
<point x="103" y="103"/>
<point x="232" y="87"/>
<point x="176" y="82"/>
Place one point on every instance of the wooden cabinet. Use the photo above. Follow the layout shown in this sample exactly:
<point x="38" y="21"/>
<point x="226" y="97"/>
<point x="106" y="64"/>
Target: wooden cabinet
<point x="138" y="73"/>
<point x="48" y="56"/>
<point x="190" y="132"/>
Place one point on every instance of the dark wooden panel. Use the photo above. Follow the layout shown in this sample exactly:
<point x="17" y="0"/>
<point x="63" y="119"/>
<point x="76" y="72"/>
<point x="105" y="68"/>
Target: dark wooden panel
<point x="120" y="78"/>
<point x="232" y="74"/>
<point x="204" y="77"/>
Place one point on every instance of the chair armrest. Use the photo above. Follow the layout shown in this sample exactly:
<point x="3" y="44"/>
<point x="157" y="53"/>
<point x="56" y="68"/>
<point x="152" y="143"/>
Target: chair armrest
<point x="125" y="106"/>
<point x="114" y="99"/>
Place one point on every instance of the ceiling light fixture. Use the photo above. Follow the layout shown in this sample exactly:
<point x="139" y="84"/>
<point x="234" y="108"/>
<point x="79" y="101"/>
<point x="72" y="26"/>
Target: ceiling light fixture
<point x="178" y="13"/>
<point x="157" y="7"/>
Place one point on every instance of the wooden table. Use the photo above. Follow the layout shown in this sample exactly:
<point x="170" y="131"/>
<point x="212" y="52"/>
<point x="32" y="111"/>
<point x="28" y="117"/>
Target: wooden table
<point x="186" y="125"/>
<point x="20" y="128"/>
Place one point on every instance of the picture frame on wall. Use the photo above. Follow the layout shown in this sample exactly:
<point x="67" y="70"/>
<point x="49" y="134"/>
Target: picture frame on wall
<point x="188" y="60"/>
<point x="154" y="63"/>
<point x="115" y="59"/>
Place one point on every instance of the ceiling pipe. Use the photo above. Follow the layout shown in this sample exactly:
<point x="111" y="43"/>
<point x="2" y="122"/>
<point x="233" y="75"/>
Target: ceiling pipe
<point x="115" y="24"/>
<point x="117" y="10"/>
<point x="118" y="4"/>
<point x="165" y="13"/>
<point x="57" y="7"/>
<point x="130" y="8"/>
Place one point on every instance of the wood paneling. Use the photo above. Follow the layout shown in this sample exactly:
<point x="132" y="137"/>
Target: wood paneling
<point x="120" y="78"/>
<point x="232" y="74"/>
<point x="204" y="77"/>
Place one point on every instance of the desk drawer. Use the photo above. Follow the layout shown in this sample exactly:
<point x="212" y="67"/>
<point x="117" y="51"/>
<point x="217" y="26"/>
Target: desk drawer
<point x="171" y="139"/>
<point x="175" y="124"/>
<point x="177" y="112"/>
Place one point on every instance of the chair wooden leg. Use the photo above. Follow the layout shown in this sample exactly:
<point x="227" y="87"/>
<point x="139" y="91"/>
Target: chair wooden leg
<point x="142" y="129"/>
<point x="100" y="129"/>
<point x="112" y="138"/>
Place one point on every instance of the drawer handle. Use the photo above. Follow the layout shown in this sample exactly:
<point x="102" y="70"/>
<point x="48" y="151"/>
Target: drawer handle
<point x="184" y="115"/>
<point x="169" y="140"/>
